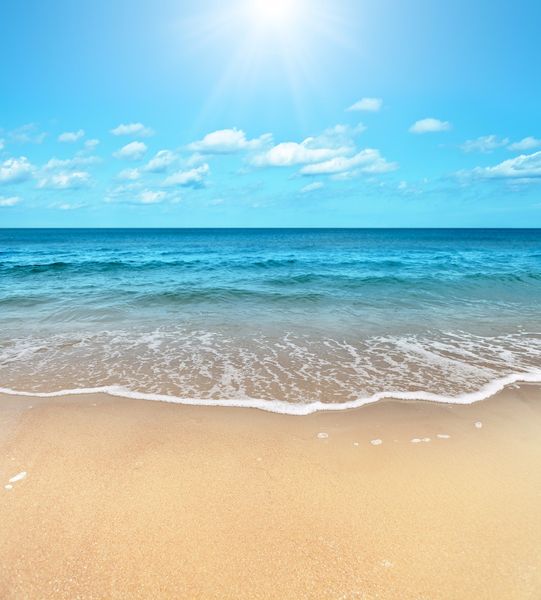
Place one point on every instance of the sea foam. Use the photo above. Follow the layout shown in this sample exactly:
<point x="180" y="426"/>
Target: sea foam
<point x="293" y="408"/>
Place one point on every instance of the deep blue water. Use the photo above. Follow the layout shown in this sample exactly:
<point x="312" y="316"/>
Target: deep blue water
<point x="294" y="314"/>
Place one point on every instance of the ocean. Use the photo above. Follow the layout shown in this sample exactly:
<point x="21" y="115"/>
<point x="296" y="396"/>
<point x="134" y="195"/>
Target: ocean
<point x="291" y="320"/>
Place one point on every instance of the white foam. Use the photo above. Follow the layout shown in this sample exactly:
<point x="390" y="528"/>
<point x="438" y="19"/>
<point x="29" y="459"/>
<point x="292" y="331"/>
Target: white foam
<point x="18" y="477"/>
<point x="376" y="442"/>
<point x="291" y="408"/>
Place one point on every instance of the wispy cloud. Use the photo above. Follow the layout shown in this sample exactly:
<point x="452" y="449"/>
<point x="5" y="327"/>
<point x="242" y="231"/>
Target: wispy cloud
<point x="131" y="151"/>
<point x="312" y="187"/>
<point x="368" y="160"/>
<point x="71" y="180"/>
<point x="91" y="144"/>
<point x="70" y="163"/>
<point x="367" y="104"/>
<point x="129" y="174"/>
<point x="9" y="201"/>
<point x="484" y="144"/>
<point x="15" y="170"/>
<point x="133" y="129"/>
<point x="27" y="134"/>
<point x="430" y="125"/>
<point x="527" y="143"/>
<point x="190" y="178"/>
<point x="228" y="141"/>
<point x="525" y="166"/>
<point x="161" y="161"/>
<point x="71" y="136"/>
<point x="151" y="196"/>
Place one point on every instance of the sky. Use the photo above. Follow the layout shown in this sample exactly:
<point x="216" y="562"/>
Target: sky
<point x="270" y="113"/>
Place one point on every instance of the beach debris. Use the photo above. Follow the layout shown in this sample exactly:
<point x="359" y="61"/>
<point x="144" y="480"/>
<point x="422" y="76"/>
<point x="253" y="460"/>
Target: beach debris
<point x="443" y="436"/>
<point x="18" y="477"/>
<point x="8" y="486"/>
<point x="376" y="442"/>
<point x="322" y="435"/>
<point x="478" y="424"/>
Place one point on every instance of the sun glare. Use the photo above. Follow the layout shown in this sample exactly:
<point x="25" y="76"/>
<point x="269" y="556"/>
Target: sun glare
<point x="273" y="13"/>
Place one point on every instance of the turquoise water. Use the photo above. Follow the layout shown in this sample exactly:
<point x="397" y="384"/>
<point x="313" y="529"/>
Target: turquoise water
<point x="296" y="316"/>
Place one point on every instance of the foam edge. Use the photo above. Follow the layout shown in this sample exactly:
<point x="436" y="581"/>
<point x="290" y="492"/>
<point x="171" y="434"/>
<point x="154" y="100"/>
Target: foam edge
<point x="290" y="408"/>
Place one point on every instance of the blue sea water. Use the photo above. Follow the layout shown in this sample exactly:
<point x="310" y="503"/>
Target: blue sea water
<point x="280" y="315"/>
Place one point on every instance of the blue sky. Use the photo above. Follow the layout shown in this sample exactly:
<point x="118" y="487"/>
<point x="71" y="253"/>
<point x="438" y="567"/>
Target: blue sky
<point x="279" y="113"/>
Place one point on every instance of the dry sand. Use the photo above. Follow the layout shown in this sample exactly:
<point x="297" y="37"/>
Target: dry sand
<point x="134" y="499"/>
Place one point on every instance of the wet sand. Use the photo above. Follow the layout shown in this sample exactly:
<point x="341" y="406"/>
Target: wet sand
<point x="134" y="499"/>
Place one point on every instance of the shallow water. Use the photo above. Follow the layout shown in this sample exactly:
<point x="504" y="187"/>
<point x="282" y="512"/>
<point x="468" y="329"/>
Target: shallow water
<point x="295" y="316"/>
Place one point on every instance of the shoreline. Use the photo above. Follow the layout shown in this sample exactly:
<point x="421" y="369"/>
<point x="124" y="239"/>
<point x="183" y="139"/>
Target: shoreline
<point x="131" y="499"/>
<point x="486" y="392"/>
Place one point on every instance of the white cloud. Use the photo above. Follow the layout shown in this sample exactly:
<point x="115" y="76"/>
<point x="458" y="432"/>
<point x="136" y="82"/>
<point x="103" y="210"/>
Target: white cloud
<point x="527" y="143"/>
<point x="312" y="187"/>
<point x="484" y="144"/>
<point x="70" y="163"/>
<point x="65" y="181"/>
<point x="133" y="129"/>
<point x="228" y="141"/>
<point x="161" y="161"/>
<point x="67" y="205"/>
<point x="367" y="104"/>
<point x="71" y="136"/>
<point x="131" y="151"/>
<point x="2" y="142"/>
<point x="525" y="166"/>
<point x="430" y="125"/>
<point x="27" y="134"/>
<point x="368" y="160"/>
<point x="11" y="201"/>
<point x="288" y="154"/>
<point x="190" y="178"/>
<point x="151" y="196"/>
<point x="91" y="144"/>
<point x="15" y="170"/>
<point x="129" y="174"/>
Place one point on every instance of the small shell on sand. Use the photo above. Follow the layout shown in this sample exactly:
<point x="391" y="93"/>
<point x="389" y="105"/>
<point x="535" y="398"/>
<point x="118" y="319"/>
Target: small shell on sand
<point x="443" y="436"/>
<point x="18" y="477"/>
<point x="478" y="424"/>
<point x="425" y="439"/>
<point x="415" y="440"/>
<point x="355" y="443"/>
<point x="322" y="435"/>
<point x="8" y="486"/>
<point x="376" y="442"/>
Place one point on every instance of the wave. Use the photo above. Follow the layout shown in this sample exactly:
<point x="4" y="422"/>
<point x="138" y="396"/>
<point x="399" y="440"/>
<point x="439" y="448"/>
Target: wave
<point x="290" y="408"/>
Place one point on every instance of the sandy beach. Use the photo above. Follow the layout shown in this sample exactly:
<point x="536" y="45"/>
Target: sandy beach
<point x="113" y="498"/>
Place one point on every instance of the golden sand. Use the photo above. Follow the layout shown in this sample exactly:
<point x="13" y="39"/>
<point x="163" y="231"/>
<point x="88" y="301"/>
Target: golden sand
<point x="133" y="499"/>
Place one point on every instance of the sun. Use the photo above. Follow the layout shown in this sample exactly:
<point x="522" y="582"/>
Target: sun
<point x="273" y="14"/>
